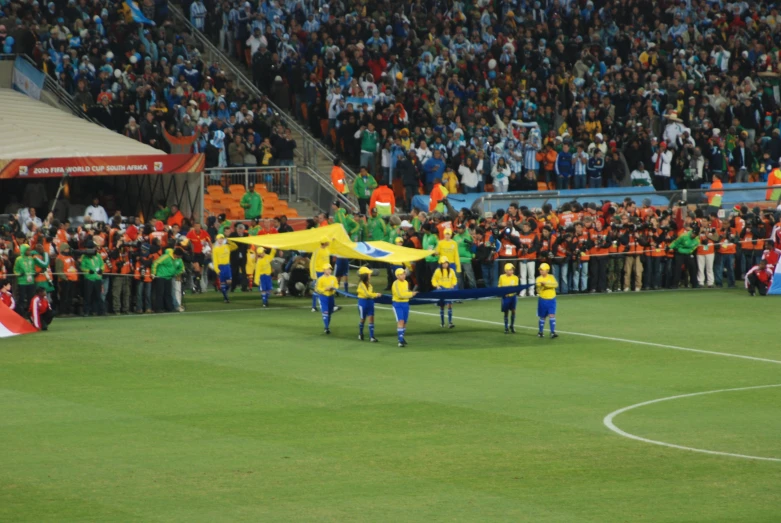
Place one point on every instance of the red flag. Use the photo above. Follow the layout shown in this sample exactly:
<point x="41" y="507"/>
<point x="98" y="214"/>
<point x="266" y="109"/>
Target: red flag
<point x="11" y="324"/>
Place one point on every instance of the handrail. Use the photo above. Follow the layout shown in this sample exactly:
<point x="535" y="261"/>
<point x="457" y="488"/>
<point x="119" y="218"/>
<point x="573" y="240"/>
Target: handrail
<point x="241" y="79"/>
<point x="56" y="89"/>
<point x="346" y="203"/>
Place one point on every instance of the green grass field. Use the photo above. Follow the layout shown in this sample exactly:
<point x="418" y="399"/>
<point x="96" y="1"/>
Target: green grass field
<point x="234" y="413"/>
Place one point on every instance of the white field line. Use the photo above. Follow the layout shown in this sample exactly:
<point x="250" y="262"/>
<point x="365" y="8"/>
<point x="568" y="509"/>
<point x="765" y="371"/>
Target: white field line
<point x="608" y="421"/>
<point x="609" y="338"/>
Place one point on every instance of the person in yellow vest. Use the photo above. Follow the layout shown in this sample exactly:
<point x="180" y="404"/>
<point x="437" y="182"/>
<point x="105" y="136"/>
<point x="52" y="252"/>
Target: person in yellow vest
<point x="320" y="258"/>
<point x="249" y="267"/>
<point x="449" y="249"/>
<point x="263" y="272"/>
<point x="546" y="286"/>
<point x="366" y="296"/>
<point x="444" y="278"/>
<point x="326" y="287"/>
<point x="401" y="297"/>
<point x="221" y="263"/>
<point x="509" y="301"/>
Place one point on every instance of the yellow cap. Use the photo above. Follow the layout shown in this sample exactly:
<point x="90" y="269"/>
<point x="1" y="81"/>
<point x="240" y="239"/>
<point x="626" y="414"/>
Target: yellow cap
<point x="399" y="75"/>
<point x="509" y="267"/>
<point x="443" y="259"/>
<point x="327" y="266"/>
<point x="400" y="271"/>
<point x="399" y="240"/>
<point x="260" y="250"/>
<point x="449" y="232"/>
<point x="220" y="236"/>
<point x="364" y="270"/>
<point x="544" y="267"/>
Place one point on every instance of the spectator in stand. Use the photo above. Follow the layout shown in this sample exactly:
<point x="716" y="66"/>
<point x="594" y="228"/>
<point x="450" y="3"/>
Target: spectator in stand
<point x="95" y="212"/>
<point x="640" y="176"/>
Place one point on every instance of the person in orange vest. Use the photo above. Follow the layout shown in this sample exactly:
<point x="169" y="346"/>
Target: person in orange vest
<point x="438" y="193"/>
<point x="67" y="279"/>
<point x="530" y="244"/>
<point x="176" y="217"/>
<point x="715" y="194"/>
<point x="383" y="200"/>
<point x="725" y="256"/>
<point x="774" y="179"/>
<point x="338" y="178"/>
<point x="633" y="262"/>
<point x="120" y="281"/>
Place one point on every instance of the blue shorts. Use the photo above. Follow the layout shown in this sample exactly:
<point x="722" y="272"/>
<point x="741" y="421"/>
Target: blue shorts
<point x="442" y="303"/>
<point x="401" y="310"/>
<point x="546" y="307"/>
<point x="365" y="307"/>
<point x="509" y="303"/>
<point x="326" y="303"/>
<point x="342" y="267"/>
<point x="265" y="282"/>
<point x="225" y="273"/>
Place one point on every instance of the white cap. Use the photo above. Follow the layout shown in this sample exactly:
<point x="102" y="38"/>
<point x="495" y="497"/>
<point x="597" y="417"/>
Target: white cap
<point x="599" y="135"/>
<point x="405" y="223"/>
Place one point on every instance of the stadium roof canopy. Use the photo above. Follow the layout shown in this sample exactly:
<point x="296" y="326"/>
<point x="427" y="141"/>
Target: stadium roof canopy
<point x="33" y="129"/>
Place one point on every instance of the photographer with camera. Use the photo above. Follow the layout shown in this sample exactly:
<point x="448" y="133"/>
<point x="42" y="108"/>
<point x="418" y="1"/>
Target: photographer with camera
<point x="67" y="279"/>
<point x="751" y="242"/>
<point x="529" y="245"/>
<point x="726" y="250"/>
<point x="618" y="241"/>
<point x="561" y="254"/>
<point x="598" y="254"/>
<point x="685" y="248"/>
<point x="706" y="253"/>
<point x="120" y="280"/>
<point x="633" y="259"/>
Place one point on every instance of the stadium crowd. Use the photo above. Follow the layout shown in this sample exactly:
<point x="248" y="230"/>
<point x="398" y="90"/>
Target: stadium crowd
<point x="490" y="95"/>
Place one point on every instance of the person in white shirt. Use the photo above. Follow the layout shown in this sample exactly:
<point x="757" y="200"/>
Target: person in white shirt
<point x="29" y="221"/>
<point x="640" y="177"/>
<point x="256" y="41"/>
<point x="663" y="159"/>
<point x="96" y="212"/>
<point x="469" y="177"/>
<point x="423" y="152"/>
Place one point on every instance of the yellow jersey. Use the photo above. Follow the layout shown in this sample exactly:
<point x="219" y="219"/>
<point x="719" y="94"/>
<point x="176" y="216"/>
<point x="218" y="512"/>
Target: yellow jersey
<point x="320" y="258"/>
<point x="263" y="265"/>
<point x="366" y="291"/>
<point x="444" y="280"/>
<point x="327" y="285"/>
<point x="546" y="287"/>
<point x="449" y="249"/>
<point x="251" y="257"/>
<point x="221" y="254"/>
<point x="400" y="291"/>
<point x="509" y="281"/>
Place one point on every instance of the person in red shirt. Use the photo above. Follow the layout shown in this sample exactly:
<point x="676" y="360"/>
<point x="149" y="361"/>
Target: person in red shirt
<point x="41" y="314"/>
<point x="6" y="298"/>
<point x="198" y="238"/>
<point x="759" y="278"/>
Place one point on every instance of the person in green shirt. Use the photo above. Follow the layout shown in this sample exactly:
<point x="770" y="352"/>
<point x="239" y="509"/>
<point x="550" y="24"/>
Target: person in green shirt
<point x="352" y="227"/>
<point x="92" y="266"/>
<point x="255" y="229"/>
<point x="252" y="204"/>
<point x="464" y="240"/>
<point x="24" y="268"/>
<point x="162" y="213"/>
<point x="376" y="228"/>
<point x="428" y="243"/>
<point x="363" y="187"/>
<point x="685" y="247"/>
<point x="164" y="269"/>
<point x="369" y="145"/>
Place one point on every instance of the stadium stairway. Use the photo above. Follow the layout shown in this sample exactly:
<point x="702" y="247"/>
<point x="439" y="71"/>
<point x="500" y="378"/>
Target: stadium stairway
<point x="310" y="153"/>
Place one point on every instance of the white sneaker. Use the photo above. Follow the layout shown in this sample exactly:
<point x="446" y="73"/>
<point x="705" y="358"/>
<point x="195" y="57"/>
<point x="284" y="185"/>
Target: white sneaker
<point x="609" y="291"/>
<point x="637" y="290"/>
<point x="627" y="289"/>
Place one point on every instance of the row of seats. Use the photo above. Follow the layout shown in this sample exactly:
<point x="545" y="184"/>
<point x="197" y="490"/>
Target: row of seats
<point x="217" y="201"/>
